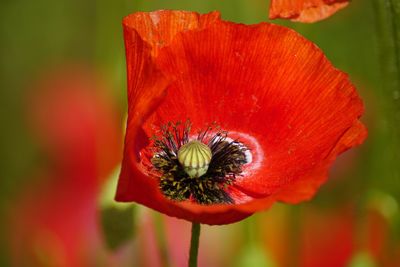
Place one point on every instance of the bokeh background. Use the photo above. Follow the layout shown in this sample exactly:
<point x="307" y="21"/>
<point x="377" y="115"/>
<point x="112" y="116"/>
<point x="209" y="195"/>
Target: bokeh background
<point x="63" y="103"/>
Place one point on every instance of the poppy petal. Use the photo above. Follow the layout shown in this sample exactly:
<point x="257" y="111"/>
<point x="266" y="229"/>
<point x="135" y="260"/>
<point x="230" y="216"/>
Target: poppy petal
<point x="269" y="87"/>
<point x="145" y="34"/>
<point x="305" y="188"/>
<point x="305" y="10"/>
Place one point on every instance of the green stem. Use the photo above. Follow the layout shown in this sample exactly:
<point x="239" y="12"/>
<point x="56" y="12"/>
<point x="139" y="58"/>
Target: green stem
<point x="194" y="245"/>
<point x="387" y="14"/>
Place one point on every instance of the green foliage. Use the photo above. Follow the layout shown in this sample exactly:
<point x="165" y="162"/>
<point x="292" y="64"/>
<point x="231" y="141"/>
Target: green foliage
<point x="117" y="219"/>
<point x="362" y="259"/>
<point x="254" y="255"/>
<point x="118" y="225"/>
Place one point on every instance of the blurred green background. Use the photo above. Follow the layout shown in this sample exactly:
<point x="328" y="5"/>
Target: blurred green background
<point x="354" y="219"/>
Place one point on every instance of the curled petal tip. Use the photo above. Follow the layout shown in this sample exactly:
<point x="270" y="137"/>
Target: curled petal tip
<point x="306" y="11"/>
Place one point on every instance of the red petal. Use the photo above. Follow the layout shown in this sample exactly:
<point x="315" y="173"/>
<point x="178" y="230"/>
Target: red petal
<point x="145" y="34"/>
<point x="264" y="83"/>
<point x="305" y="10"/>
<point x="305" y="188"/>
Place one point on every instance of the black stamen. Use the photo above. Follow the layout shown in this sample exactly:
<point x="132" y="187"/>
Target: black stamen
<point x="226" y="163"/>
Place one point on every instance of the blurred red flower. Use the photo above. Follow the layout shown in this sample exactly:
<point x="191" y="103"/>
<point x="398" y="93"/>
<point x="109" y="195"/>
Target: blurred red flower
<point x="54" y="222"/>
<point x="305" y="10"/>
<point x="323" y="232"/>
<point x="272" y="90"/>
<point x="331" y="237"/>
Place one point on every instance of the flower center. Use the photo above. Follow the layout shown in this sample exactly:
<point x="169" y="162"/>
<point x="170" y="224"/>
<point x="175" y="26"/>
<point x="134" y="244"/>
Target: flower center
<point x="201" y="169"/>
<point x="195" y="158"/>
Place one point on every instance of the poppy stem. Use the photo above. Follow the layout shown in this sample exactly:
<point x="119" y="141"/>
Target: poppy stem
<point x="194" y="244"/>
<point x="388" y="29"/>
<point x="387" y="13"/>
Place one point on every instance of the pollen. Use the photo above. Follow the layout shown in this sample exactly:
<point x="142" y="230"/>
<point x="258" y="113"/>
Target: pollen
<point x="195" y="158"/>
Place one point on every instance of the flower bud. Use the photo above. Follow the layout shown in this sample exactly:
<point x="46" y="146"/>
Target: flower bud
<point x="195" y="158"/>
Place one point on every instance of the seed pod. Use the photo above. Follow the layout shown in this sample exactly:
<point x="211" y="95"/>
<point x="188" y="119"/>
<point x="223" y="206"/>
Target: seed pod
<point x="195" y="158"/>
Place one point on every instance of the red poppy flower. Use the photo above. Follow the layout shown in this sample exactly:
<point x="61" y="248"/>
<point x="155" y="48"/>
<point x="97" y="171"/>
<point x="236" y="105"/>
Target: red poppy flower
<point x="316" y="241"/>
<point x="305" y="10"/>
<point x="286" y="111"/>
<point x="54" y="223"/>
<point x="327" y="236"/>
